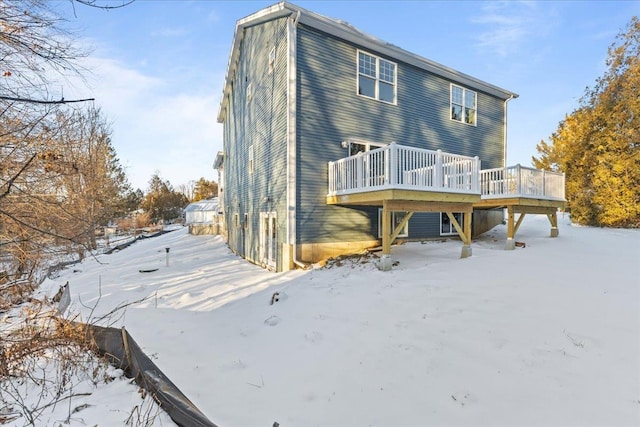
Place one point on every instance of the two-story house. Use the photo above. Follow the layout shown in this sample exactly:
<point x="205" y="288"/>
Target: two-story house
<point x="335" y="141"/>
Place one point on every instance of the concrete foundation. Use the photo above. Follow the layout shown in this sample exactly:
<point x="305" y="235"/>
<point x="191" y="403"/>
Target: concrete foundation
<point x="510" y="245"/>
<point x="385" y="263"/>
<point x="554" y="231"/>
<point x="466" y="251"/>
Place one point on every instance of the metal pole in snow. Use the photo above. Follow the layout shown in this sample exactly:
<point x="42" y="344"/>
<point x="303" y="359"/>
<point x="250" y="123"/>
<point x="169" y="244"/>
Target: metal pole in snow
<point x="167" y="250"/>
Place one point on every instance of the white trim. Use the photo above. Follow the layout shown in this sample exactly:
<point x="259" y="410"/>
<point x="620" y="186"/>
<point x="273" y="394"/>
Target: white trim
<point x="267" y="250"/>
<point x="394" y="223"/>
<point x="464" y="93"/>
<point x="291" y="132"/>
<point x="453" y="232"/>
<point x="504" y="136"/>
<point x="251" y="165"/>
<point x="377" y="79"/>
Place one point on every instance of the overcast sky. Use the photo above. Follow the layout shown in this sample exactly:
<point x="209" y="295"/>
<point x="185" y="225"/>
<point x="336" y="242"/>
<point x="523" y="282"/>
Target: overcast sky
<point x="158" y="65"/>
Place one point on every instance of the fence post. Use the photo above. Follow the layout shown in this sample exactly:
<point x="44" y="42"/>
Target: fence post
<point x="518" y="179"/>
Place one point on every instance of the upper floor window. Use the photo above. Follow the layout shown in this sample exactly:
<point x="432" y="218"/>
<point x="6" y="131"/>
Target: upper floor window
<point x="463" y="105"/>
<point x="251" y="158"/>
<point x="376" y="78"/>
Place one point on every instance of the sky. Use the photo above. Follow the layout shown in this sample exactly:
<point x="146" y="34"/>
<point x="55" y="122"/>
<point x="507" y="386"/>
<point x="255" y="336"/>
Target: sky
<point x="543" y="335"/>
<point x="157" y="67"/>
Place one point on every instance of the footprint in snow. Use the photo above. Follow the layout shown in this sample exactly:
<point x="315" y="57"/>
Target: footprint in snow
<point x="313" y="336"/>
<point x="272" y="321"/>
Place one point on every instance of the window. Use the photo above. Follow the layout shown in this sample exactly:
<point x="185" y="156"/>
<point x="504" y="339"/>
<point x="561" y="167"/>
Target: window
<point x="236" y="220"/>
<point x="246" y="221"/>
<point x="463" y="105"/>
<point x="446" y="226"/>
<point x="251" y="158"/>
<point x="356" y="147"/>
<point x="249" y="91"/>
<point x="396" y="219"/>
<point x="376" y="78"/>
<point x="272" y="59"/>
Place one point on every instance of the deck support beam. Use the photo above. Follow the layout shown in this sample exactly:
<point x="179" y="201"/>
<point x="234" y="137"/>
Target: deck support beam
<point x="512" y="227"/>
<point x="553" y="219"/>
<point x="464" y="232"/>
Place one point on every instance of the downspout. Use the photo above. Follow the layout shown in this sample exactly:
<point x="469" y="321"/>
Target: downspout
<point x="292" y="25"/>
<point x="504" y="136"/>
<point x="504" y="141"/>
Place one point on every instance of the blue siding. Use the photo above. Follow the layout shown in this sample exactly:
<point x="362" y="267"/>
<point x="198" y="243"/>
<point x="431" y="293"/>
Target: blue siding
<point x="260" y="121"/>
<point x="330" y="111"/>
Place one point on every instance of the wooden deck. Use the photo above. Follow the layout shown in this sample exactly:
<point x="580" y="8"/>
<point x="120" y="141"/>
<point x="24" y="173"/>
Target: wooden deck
<point x="399" y="178"/>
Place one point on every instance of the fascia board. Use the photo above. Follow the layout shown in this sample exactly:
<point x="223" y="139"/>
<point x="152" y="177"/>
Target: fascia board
<point x="349" y="33"/>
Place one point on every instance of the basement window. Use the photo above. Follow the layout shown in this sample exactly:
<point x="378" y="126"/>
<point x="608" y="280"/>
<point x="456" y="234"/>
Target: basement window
<point x="396" y="219"/>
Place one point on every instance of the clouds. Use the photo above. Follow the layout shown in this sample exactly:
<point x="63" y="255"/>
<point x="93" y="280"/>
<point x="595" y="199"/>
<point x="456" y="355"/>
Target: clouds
<point x="508" y="25"/>
<point x="158" y="124"/>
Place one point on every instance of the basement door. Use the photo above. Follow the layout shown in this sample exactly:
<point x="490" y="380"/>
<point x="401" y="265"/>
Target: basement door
<point x="268" y="243"/>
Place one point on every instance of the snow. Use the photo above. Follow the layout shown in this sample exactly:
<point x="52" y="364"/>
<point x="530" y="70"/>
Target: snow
<point x="546" y="335"/>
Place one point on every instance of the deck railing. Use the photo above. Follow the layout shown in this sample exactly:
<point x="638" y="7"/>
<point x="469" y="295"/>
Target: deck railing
<point x="521" y="181"/>
<point x="401" y="167"/>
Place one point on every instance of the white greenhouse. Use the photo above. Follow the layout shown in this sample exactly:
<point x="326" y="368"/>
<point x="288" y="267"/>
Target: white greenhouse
<point x="204" y="217"/>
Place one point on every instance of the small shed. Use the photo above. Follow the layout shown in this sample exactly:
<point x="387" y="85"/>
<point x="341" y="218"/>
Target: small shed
<point x="204" y="217"/>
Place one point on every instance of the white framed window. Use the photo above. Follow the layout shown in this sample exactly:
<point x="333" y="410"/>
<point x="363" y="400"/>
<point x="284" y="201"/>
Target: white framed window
<point x="245" y="222"/>
<point x="249" y="91"/>
<point x="359" y="146"/>
<point x="377" y="78"/>
<point x="236" y="220"/>
<point x="463" y="105"/>
<point x="446" y="226"/>
<point x="250" y="159"/>
<point x="268" y="239"/>
<point x="272" y="59"/>
<point x="396" y="219"/>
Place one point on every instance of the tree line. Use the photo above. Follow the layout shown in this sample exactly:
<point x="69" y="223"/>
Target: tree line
<point x="597" y="146"/>
<point x="60" y="176"/>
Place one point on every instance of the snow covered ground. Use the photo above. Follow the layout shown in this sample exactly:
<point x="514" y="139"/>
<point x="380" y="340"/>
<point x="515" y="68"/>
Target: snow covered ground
<point x="547" y="335"/>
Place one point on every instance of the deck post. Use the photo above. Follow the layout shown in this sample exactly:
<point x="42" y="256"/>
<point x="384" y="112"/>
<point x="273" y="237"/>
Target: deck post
<point x="464" y="231"/>
<point x="553" y="219"/>
<point x="385" y="260"/>
<point x="466" y="247"/>
<point x="511" y="244"/>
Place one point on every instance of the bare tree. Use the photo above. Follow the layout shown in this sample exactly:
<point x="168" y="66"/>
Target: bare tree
<point x="59" y="175"/>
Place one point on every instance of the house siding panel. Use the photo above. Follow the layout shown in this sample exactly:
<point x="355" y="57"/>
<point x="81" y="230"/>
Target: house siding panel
<point x="330" y="111"/>
<point x="257" y="117"/>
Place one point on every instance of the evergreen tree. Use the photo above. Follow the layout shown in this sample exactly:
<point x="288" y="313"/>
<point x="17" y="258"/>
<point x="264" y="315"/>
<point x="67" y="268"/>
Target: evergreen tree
<point x="205" y="189"/>
<point x="598" y="145"/>
<point x="162" y="202"/>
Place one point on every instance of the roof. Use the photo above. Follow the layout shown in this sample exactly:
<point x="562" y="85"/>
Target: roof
<point x="209" y="205"/>
<point x="345" y="31"/>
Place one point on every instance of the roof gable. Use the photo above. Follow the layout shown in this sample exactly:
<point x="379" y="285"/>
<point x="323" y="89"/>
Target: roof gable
<point x="346" y="31"/>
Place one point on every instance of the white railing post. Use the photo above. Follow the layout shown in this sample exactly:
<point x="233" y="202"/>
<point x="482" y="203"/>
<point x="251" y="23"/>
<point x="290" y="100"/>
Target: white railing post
<point x="518" y="180"/>
<point x="392" y="160"/>
<point x="331" y="177"/>
<point x="475" y="175"/>
<point x="438" y="170"/>
<point x="359" y="170"/>
<point x="544" y="183"/>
